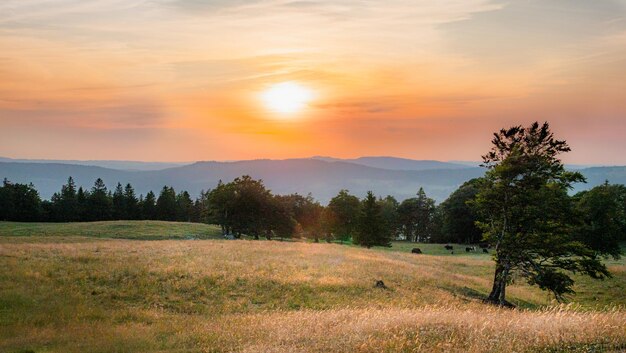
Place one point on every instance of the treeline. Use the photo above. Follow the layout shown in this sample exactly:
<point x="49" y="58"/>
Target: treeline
<point x="21" y="203"/>
<point x="245" y="207"/>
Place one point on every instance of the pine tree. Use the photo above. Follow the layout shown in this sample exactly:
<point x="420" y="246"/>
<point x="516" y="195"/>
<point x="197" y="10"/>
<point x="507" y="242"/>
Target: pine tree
<point x="148" y="206"/>
<point x="81" y="204"/>
<point x="131" y="203"/>
<point x="166" y="207"/>
<point x="119" y="203"/>
<point x="99" y="203"/>
<point x="184" y="207"/>
<point x="69" y="202"/>
<point x="371" y="230"/>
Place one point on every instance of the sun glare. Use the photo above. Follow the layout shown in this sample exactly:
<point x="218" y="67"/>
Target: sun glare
<point x="286" y="97"/>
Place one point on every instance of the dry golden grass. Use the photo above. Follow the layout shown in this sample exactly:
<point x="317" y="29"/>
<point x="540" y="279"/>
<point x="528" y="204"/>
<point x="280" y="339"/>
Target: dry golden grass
<point x="246" y="296"/>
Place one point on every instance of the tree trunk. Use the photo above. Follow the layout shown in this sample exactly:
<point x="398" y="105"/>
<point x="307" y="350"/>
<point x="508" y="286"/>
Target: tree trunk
<point x="498" y="290"/>
<point x="495" y="289"/>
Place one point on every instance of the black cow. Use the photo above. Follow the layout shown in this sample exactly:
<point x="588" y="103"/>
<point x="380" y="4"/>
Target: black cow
<point x="449" y="247"/>
<point x="416" y="251"/>
<point x="470" y="248"/>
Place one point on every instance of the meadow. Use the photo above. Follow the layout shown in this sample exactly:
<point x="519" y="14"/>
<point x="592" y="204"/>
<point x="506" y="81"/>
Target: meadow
<point x="177" y="287"/>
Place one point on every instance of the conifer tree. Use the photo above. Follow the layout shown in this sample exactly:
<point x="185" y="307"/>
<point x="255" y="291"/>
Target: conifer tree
<point x="131" y="203"/>
<point x="119" y="204"/>
<point x="148" y="206"/>
<point x="371" y="230"/>
<point x="166" y="207"/>
<point x="99" y="203"/>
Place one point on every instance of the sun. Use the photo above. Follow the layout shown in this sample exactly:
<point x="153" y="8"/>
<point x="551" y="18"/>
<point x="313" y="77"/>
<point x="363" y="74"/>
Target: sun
<point x="287" y="97"/>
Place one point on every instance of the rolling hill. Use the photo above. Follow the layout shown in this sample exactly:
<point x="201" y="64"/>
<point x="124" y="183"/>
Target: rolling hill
<point x="322" y="178"/>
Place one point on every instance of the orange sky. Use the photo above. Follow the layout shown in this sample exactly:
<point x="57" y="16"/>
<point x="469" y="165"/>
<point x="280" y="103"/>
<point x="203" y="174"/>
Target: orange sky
<point x="182" y="80"/>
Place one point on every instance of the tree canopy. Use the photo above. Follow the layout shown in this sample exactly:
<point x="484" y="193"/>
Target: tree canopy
<point x="528" y="214"/>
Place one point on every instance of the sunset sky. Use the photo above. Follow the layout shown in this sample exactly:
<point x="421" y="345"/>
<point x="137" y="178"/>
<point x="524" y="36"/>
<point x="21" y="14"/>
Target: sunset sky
<point x="186" y="80"/>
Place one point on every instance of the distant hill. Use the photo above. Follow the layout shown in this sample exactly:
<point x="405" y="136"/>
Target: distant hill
<point x="121" y="165"/>
<point x="394" y="163"/>
<point x="322" y="178"/>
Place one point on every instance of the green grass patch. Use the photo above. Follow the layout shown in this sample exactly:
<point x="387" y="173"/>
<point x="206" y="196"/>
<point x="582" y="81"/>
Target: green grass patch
<point x="137" y="230"/>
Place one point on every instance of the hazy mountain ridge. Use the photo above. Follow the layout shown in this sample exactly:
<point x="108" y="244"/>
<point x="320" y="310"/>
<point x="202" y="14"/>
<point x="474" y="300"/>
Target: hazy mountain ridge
<point x="322" y="178"/>
<point x="112" y="164"/>
<point x="395" y="163"/>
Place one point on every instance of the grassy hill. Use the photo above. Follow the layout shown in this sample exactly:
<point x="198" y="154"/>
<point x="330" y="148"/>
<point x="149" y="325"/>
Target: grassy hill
<point x="99" y="294"/>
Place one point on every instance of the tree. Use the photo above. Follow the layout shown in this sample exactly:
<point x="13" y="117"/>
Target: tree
<point x="280" y="217"/>
<point x="166" y="207"/>
<point x="119" y="203"/>
<point x="603" y="218"/>
<point x="415" y="217"/>
<point x="344" y="213"/>
<point x="327" y="220"/>
<point x="99" y="203"/>
<point x="220" y="207"/>
<point x="528" y="215"/>
<point x="148" y="206"/>
<point x="306" y="212"/>
<point x="19" y="202"/>
<point x="82" y="203"/>
<point x="184" y="206"/>
<point x="250" y="204"/>
<point x="371" y="227"/>
<point x="241" y="207"/>
<point x="459" y="217"/>
<point x="131" y="204"/>
<point x="68" y="206"/>
<point x="389" y="213"/>
<point x="6" y="201"/>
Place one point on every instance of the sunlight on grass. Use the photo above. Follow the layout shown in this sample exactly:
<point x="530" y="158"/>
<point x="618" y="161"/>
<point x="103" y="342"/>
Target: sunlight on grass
<point x="102" y="295"/>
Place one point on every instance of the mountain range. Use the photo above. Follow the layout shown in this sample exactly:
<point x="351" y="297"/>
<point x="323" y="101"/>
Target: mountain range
<point x="323" y="177"/>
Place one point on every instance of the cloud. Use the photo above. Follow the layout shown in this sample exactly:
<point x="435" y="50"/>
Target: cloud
<point x="89" y="114"/>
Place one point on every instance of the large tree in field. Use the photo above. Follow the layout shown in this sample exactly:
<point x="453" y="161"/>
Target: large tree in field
<point x="528" y="214"/>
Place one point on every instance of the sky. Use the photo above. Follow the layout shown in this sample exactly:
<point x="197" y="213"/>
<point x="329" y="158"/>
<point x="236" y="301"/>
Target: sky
<point x="187" y="80"/>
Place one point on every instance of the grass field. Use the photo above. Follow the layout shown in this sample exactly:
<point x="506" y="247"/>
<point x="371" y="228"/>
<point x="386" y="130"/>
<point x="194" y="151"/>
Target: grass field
<point x="79" y="288"/>
<point x="139" y="230"/>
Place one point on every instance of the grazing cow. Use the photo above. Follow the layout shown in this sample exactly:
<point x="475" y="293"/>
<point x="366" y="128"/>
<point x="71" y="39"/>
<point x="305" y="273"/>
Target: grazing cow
<point x="485" y="251"/>
<point x="380" y="284"/>
<point x="416" y="251"/>
<point x="470" y="248"/>
<point x="449" y="247"/>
